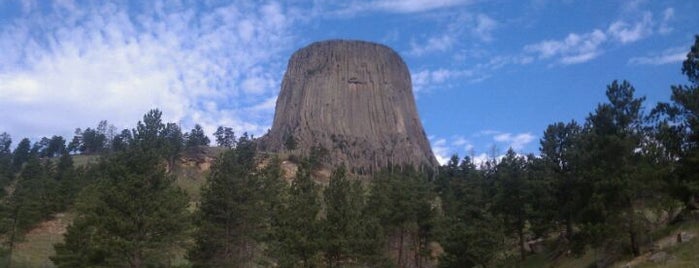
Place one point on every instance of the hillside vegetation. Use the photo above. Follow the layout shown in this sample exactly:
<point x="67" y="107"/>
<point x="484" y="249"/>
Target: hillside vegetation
<point x="611" y="191"/>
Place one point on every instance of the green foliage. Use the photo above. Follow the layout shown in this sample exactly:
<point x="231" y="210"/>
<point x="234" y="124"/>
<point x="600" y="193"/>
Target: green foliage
<point x="173" y="143"/>
<point x="132" y="216"/>
<point x="196" y="137"/>
<point x="401" y="202"/>
<point x="514" y="195"/>
<point x="225" y="137"/>
<point x="233" y="215"/>
<point x="5" y="160"/>
<point x="343" y="229"/>
<point x="470" y="232"/>
<point x="295" y="240"/>
<point x="677" y="130"/>
<point x="560" y="149"/>
<point x="20" y="155"/>
<point x="611" y="162"/>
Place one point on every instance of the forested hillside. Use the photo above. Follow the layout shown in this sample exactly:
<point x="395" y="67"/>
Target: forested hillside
<point x="610" y="185"/>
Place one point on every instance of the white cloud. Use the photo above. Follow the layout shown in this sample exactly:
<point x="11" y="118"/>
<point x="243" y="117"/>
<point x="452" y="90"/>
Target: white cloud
<point x="627" y="33"/>
<point x="484" y="27"/>
<point x="575" y="48"/>
<point x="441" y="151"/>
<point x="480" y="147"/>
<point x="579" y="48"/>
<point x="440" y="43"/>
<point x="426" y="80"/>
<point x="668" y="15"/>
<point x="515" y="141"/>
<point x="411" y="6"/>
<point x="479" y="26"/>
<point x="670" y="55"/>
<point x="73" y="66"/>
<point x="401" y="6"/>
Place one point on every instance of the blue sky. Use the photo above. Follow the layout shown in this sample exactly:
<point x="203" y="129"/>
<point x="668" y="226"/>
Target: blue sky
<point x="486" y="74"/>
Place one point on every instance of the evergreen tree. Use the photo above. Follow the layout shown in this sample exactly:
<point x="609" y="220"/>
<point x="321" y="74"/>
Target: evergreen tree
<point x="173" y="143"/>
<point x="343" y="239"/>
<point x="5" y="159"/>
<point x="559" y="149"/>
<point x="56" y="146"/>
<point x="677" y="129"/>
<point x="196" y="137"/>
<point x="296" y="227"/>
<point x="225" y="137"/>
<point x="470" y="232"/>
<point x="611" y="160"/>
<point x="32" y="200"/>
<point x="121" y="141"/>
<point x="233" y="214"/>
<point x="513" y="199"/>
<point x="20" y="155"/>
<point x="149" y="132"/>
<point x="92" y="142"/>
<point x="133" y="216"/>
<point x="400" y="200"/>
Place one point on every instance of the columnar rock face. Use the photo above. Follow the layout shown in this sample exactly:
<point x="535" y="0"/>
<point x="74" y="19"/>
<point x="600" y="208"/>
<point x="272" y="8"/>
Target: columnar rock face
<point x="354" y="99"/>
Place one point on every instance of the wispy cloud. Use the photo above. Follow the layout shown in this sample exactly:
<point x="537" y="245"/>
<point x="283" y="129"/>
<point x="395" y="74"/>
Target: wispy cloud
<point x="439" y="43"/>
<point x="427" y="80"/>
<point x="482" y="146"/>
<point x="626" y="33"/>
<point x="515" y="141"/>
<point x="479" y="27"/>
<point x="352" y="8"/>
<point x="73" y="66"/>
<point x="670" y="55"/>
<point x="575" y="48"/>
<point x="578" y="48"/>
<point x="484" y="27"/>
<point x="668" y="15"/>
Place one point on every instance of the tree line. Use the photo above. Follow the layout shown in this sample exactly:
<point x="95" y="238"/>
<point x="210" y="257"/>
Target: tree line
<point x="591" y="187"/>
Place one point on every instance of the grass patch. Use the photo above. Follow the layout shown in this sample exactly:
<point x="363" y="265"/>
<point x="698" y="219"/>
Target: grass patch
<point x="683" y="254"/>
<point x="38" y="243"/>
<point x="542" y="260"/>
<point x="190" y="179"/>
<point x="84" y="160"/>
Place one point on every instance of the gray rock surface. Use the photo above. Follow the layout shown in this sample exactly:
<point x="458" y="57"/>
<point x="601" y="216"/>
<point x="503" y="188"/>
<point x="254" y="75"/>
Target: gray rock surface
<point x="354" y="99"/>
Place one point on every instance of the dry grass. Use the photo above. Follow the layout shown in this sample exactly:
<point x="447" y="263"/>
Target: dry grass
<point x="38" y="243"/>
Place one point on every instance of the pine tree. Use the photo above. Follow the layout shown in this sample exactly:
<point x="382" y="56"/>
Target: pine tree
<point x="196" y="137"/>
<point x="20" y="155"/>
<point x="132" y="216"/>
<point x="296" y="227"/>
<point x="677" y="129"/>
<point x="513" y="199"/>
<point x="232" y="217"/>
<point x="225" y="137"/>
<point x="401" y="202"/>
<point x="470" y="232"/>
<point x="611" y="164"/>
<point x="559" y="149"/>
<point x="5" y="159"/>
<point x="343" y="224"/>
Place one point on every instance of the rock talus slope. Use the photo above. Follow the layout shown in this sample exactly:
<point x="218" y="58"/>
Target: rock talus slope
<point x="354" y="99"/>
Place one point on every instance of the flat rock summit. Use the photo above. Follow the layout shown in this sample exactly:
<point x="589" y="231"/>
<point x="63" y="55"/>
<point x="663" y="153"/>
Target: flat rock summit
<point x="354" y="99"/>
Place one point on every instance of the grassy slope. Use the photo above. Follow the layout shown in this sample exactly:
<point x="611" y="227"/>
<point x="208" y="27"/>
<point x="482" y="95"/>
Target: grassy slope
<point x="683" y="255"/>
<point x="37" y="246"/>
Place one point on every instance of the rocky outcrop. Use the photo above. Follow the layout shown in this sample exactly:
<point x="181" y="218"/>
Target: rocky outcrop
<point x="354" y="99"/>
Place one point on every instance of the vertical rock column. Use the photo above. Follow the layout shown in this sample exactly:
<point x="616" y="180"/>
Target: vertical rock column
<point x="354" y="99"/>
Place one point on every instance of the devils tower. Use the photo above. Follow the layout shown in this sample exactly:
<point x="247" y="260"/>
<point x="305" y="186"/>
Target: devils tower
<point x="354" y="99"/>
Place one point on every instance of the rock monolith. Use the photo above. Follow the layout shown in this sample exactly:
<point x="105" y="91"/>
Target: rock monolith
<point x="354" y="99"/>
